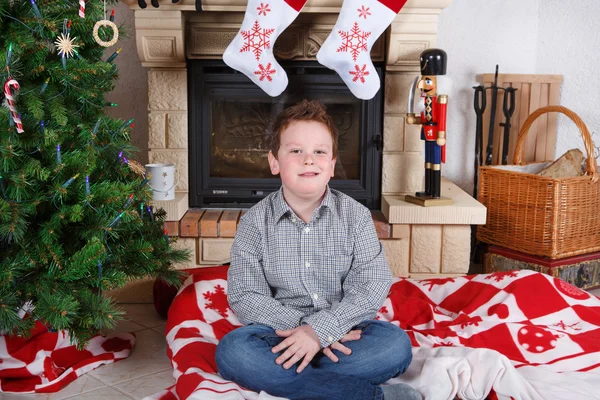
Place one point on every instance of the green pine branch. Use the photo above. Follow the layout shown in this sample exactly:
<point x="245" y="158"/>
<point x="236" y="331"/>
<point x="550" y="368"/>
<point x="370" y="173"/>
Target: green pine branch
<point x="68" y="242"/>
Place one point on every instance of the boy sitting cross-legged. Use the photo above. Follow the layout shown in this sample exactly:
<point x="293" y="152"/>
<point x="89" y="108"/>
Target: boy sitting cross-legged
<point x="307" y="277"/>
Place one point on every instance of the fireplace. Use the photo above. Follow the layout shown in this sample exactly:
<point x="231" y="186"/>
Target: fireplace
<point x="230" y="120"/>
<point x="178" y="45"/>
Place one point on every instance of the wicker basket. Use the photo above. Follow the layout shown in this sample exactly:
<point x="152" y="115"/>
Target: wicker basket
<point x="552" y="217"/>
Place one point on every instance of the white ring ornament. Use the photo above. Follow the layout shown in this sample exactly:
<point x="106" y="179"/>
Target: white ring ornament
<point x="114" y="28"/>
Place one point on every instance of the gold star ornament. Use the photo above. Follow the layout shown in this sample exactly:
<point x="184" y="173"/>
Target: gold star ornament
<point x="66" y="45"/>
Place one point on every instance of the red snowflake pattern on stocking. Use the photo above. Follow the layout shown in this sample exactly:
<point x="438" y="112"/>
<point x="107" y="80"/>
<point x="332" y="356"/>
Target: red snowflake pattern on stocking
<point x="265" y="72"/>
<point x="263" y="9"/>
<point x="363" y="12"/>
<point x="498" y="276"/>
<point x="256" y="40"/>
<point x="354" y="41"/>
<point x="217" y="301"/>
<point x="359" y="73"/>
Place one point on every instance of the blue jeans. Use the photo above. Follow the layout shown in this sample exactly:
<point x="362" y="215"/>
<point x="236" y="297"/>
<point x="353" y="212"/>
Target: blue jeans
<point x="383" y="352"/>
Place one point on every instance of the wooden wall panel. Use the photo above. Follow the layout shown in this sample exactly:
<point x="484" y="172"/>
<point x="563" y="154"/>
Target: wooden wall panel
<point x="533" y="92"/>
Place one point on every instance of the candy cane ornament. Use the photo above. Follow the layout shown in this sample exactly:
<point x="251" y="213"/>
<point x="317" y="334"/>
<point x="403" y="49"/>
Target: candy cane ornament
<point x="81" y="8"/>
<point x="11" y="83"/>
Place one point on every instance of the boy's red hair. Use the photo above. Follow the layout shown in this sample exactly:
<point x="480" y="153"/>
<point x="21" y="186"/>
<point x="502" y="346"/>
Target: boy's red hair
<point x="303" y="111"/>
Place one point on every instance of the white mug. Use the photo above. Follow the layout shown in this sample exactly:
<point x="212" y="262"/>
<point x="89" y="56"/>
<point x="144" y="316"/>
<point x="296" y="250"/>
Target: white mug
<point x="162" y="181"/>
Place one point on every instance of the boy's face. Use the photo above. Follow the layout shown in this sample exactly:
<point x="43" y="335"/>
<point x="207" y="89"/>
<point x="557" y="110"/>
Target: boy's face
<point x="305" y="159"/>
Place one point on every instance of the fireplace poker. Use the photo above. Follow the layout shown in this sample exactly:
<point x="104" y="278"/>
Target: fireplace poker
<point x="479" y="105"/>
<point x="508" y="108"/>
<point x="490" y="146"/>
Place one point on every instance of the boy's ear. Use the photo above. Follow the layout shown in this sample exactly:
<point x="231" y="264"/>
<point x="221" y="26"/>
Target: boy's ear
<point x="273" y="163"/>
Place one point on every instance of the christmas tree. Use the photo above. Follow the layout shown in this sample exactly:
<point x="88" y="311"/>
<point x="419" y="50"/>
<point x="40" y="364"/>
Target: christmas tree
<point x="75" y="218"/>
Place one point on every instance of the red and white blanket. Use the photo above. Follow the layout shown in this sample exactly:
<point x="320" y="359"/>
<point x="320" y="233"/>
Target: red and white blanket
<point x="522" y="334"/>
<point x="46" y="361"/>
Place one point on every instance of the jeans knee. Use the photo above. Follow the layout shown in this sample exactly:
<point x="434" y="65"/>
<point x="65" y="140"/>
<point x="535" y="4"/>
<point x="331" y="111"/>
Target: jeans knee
<point x="401" y="346"/>
<point x="231" y="351"/>
<point x="244" y="356"/>
<point x="222" y="357"/>
<point x="397" y="343"/>
<point x="247" y="360"/>
<point x="400" y="339"/>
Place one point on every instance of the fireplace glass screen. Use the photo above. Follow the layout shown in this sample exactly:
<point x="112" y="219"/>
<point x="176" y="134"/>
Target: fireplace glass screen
<point x="230" y="120"/>
<point x="240" y="130"/>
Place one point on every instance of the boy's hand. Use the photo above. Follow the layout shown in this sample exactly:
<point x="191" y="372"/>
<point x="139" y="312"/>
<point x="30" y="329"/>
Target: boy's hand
<point x="301" y="343"/>
<point x="348" y="337"/>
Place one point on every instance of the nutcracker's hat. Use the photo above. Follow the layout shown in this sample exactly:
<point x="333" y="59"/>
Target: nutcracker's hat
<point x="433" y="62"/>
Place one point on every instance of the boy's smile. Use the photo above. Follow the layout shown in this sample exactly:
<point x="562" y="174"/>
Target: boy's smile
<point x="305" y="160"/>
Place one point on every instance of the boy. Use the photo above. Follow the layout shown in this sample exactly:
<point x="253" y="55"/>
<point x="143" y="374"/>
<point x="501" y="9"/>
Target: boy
<point x="307" y="274"/>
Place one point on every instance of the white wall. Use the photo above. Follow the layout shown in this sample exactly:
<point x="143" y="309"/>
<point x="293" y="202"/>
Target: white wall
<point x="477" y="35"/>
<point x="569" y="44"/>
<point x="522" y="36"/>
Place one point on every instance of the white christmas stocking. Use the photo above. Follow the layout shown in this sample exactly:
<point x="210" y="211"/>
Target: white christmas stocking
<point x="348" y="47"/>
<point x="251" y="52"/>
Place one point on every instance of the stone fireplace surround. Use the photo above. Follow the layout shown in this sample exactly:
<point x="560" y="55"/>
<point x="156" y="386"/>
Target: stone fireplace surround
<point x="422" y="242"/>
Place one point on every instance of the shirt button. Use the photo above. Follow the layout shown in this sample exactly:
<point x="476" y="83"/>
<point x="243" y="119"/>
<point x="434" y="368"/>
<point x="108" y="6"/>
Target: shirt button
<point x="307" y="264"/>
<point x="306" y="230"/>
<point x="330" y="338"/>
<point x="293" y="220"/>
<point x="315" y="296"/>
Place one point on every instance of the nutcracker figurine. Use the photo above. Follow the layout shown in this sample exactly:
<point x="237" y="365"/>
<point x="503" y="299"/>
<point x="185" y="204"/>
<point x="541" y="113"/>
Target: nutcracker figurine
<point x="433" y="125"/>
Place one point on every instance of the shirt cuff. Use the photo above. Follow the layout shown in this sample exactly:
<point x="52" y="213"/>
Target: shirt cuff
<point x="326" y="327"/>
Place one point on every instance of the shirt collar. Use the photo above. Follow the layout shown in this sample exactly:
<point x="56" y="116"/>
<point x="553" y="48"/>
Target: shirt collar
<point x="281" y="207"/>
<point x="328" y="200"/>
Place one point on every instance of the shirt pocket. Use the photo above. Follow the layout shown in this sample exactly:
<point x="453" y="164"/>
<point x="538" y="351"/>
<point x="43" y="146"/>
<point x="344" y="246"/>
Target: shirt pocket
<point x="336" y="260"/>
<point x="282" y="266"/>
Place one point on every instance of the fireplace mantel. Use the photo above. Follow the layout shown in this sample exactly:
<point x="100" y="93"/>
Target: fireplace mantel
<point x="161" y="33"/>
<point x="168" y="35"/>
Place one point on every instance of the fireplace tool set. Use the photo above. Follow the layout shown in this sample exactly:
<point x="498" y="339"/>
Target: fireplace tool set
<point x="508" y="109"/>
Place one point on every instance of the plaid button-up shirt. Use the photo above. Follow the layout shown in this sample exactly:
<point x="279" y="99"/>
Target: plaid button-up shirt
<point x="330" y="273"/>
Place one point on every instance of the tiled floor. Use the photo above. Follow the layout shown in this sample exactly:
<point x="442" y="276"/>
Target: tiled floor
<point x="145" y="372"/>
